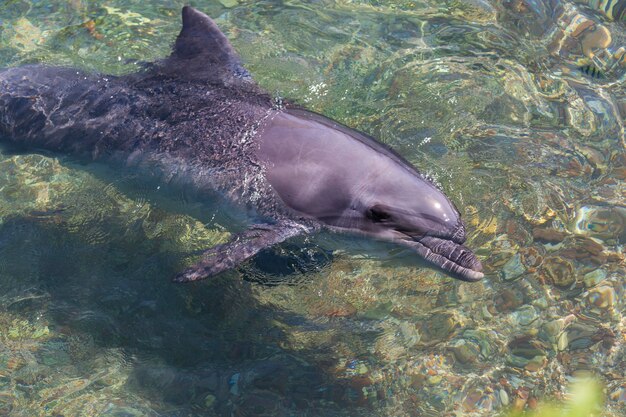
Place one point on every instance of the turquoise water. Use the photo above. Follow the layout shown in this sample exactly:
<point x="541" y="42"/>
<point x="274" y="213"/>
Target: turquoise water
<point x="524" y="140"/>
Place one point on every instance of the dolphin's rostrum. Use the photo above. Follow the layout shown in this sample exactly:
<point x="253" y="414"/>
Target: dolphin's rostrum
<point x="196" y="119"/>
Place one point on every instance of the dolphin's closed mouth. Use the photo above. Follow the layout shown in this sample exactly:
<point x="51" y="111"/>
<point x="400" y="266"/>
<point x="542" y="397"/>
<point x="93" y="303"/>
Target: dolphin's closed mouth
<point x="452" y="257"/>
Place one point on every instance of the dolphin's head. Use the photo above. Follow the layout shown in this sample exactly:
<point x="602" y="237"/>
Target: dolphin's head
<point x="352" y="183"/>
<point x="406" y="208"/>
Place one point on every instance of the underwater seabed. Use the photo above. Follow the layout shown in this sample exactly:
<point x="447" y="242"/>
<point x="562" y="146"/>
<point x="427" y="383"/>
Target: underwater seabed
<point x="529" y="148"/>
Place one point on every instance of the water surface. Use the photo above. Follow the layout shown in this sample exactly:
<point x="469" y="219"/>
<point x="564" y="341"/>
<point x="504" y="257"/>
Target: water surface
<point x="527" y="144"/>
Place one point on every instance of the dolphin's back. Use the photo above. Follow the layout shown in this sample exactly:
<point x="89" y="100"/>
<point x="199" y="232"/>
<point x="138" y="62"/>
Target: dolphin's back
<point x="62" y="109"/>
<point x="189" y="119"/>
<point x="187" y="133"/>
<point x="199" y="103"/>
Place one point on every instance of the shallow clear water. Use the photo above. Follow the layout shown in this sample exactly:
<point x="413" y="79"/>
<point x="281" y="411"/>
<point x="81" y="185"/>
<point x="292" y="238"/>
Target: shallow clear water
<point x="528" y="145"/>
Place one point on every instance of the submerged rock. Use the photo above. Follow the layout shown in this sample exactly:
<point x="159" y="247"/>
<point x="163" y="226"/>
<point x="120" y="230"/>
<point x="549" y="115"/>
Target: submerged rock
<point x="528" y="353"/>
<point x="607" y="223"/>
<point x="558" y="271"/>
<point x="584" y="249"/>
<point x="437" y="328"/>
<point x="513" y="268"/>
<point x="594" y="277"/>
<point x="602" y="297"/>
<point x="554" y="332"/>
<point x="583" y="336"/>
<point x="548" y="235"/>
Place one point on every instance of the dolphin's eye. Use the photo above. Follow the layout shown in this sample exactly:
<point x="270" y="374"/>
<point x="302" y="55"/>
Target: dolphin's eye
<point x="377" y="214"/>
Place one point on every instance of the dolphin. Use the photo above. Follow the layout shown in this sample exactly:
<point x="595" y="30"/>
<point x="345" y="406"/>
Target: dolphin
<point x="196" y="119"/>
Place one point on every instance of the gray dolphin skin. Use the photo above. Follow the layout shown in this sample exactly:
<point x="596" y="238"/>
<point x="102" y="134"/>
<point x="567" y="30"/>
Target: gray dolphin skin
<point x="197" y="120"/>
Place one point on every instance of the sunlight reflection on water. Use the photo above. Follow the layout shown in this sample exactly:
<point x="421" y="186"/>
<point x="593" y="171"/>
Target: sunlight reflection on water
<point x="529" y="146"/>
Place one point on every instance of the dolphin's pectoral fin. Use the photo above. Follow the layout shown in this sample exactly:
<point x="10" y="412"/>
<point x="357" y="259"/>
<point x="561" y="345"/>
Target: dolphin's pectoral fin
<point x="203" y="52"/>
<point x="240" y="248"/>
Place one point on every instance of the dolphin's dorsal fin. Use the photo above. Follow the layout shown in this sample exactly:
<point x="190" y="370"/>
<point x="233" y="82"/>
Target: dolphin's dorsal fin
<point x="202" y="51"/>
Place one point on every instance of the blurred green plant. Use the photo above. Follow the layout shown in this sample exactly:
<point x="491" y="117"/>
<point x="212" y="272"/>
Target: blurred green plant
<point x="584" y="399"/>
